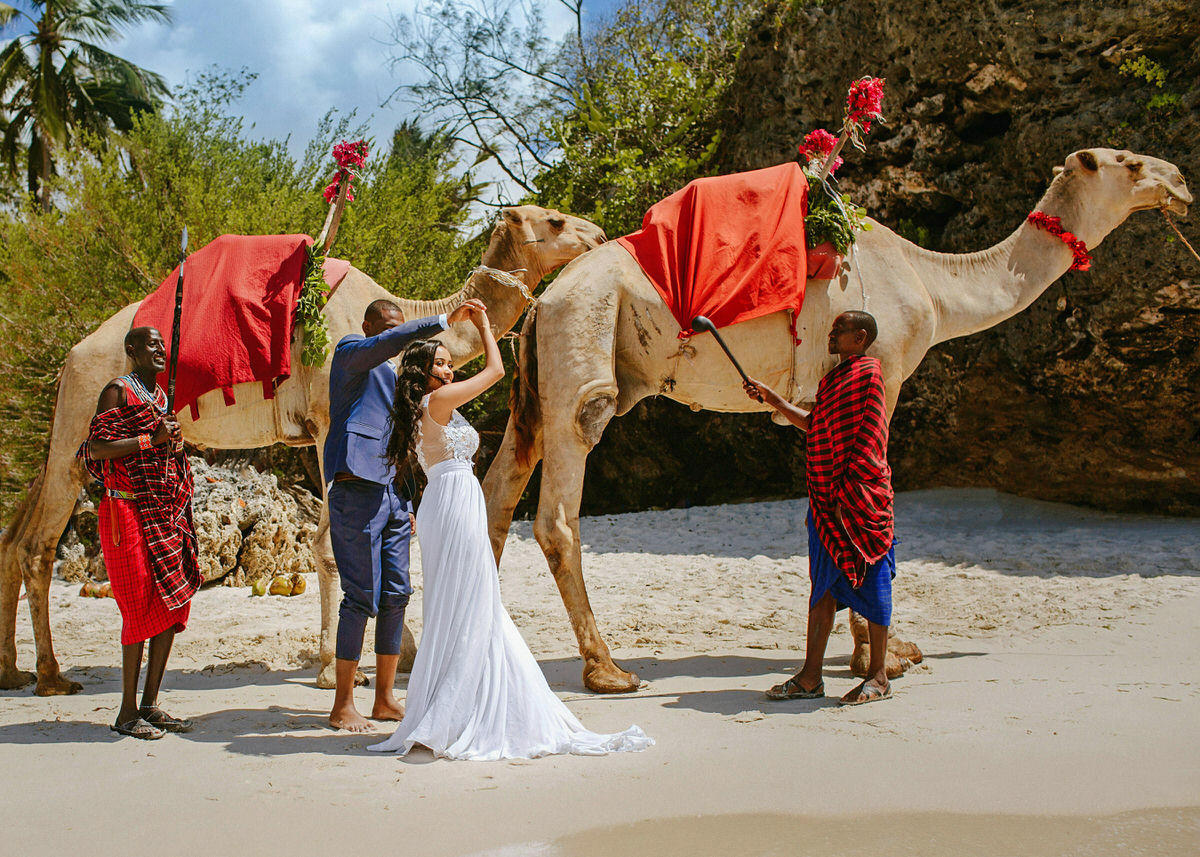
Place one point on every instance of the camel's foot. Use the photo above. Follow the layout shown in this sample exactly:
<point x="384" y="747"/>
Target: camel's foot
<point x="892" y="663"/>
<point x="609" y="678"/>
<point x="12" y="678"/>
<point x="904" y="650"/>
<point x="327" y="677"/>
<point x="56" y="685"/>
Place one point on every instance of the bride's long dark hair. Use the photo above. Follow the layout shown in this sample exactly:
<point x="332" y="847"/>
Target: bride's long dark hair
<point x="412" y="383"/>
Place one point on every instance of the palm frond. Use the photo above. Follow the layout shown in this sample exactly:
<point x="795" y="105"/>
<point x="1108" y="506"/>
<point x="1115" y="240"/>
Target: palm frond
<point x="7" y="13"/>
<point x="107" y="19"/>
<point x="146" y="84"/>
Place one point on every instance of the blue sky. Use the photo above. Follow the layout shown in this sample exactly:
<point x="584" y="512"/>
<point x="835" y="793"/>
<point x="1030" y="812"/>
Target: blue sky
<point x="309" y="55"/>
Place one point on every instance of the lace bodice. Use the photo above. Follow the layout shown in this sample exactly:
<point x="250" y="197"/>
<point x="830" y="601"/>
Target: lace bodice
<point x="437" y="442"/>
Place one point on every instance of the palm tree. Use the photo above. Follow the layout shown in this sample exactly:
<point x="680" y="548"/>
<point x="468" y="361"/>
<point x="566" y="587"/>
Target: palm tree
<point x="56" y="82"/>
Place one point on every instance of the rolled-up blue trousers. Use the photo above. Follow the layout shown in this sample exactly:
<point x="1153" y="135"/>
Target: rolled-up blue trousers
<point x="370" y="529"/>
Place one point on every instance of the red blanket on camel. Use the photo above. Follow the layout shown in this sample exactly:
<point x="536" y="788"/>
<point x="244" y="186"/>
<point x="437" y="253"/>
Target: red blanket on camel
<point x="847" y="466"/>
<point x="239" y="306"/>
<point x="730" y="248"/>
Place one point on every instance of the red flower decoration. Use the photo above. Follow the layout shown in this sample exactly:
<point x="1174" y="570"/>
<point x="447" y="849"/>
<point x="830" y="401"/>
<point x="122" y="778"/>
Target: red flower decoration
<point x="350" y="158"/>
<point x="817" y="146"/>
<point x="865" y="101"/>
<point x="350" y="155"/>
<point x="1081" y="260"/>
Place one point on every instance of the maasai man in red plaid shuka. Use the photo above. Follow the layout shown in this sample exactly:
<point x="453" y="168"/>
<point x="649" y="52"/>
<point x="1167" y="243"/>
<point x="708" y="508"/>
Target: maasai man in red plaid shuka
<point x="135" y="447"/>
<point x="851" y="560"/>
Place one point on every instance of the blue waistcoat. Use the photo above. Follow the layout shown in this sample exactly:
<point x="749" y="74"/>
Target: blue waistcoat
<point x="362" y="387"/>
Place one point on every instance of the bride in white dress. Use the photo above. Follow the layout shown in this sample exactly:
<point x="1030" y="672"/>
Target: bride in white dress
<point x="476" y="691"/>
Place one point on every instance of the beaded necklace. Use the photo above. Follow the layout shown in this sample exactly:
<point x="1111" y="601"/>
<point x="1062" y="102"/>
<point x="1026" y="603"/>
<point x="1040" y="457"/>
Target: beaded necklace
<point x="145" y="394"/>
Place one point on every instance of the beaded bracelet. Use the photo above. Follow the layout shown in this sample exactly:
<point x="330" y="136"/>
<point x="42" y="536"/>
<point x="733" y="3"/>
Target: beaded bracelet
<point x="144" y="441"/>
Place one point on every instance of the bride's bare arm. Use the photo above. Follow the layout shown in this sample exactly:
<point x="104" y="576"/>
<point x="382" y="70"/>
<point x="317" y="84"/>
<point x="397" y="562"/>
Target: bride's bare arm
<point x="445" y="399"/>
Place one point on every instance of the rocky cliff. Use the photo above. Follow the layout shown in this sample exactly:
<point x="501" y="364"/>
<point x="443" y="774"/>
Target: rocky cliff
<point x="1090" y="396"/>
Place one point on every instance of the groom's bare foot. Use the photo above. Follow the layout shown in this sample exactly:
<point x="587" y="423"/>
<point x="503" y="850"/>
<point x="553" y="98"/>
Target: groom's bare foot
<point x="347" y="717"/>
<point x="387" y="709"/>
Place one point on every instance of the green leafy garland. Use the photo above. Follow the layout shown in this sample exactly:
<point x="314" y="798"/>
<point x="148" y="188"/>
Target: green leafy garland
<point x="313" y="294"/>
<point x="832" y="218"/>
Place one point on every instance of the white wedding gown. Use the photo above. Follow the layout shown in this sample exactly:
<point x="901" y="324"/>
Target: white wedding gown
<point x="476" y="691"/>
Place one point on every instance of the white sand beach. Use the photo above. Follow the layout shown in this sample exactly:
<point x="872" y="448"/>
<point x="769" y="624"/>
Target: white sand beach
<point x="1053" y="713"/>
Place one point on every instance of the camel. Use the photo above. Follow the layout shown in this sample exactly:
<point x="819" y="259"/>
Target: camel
<point x="527" y="239"/>
<point x="615" y="342"/>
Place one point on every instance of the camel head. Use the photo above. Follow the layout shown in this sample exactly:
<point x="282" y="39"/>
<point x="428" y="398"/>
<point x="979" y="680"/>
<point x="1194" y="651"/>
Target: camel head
<point x="544" y="238"/>
<point x="1108" y="185"/>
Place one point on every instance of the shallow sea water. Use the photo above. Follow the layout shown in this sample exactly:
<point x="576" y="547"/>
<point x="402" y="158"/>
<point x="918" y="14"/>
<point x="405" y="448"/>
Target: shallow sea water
<point x="1160" y="832"/>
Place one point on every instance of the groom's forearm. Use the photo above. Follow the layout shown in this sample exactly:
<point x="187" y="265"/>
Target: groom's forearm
<point x="363" y="355"/>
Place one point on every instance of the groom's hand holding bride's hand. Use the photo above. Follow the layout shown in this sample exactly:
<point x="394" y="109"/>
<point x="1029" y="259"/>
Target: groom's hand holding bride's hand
<point x="467" y="311"/>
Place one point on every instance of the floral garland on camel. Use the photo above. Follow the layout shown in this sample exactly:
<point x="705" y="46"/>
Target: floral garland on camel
<point x="832" y="217"/>
<point x="350" y="159"/>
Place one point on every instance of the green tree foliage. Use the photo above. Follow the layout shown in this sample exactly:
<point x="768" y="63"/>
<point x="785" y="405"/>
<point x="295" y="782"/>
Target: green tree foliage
<point x="115" y="234"/>
<point x="406" y="224"/>
<point x="58" y="87"/>
<point x="602" y="125"/>
<point x="647" y="119"/>
<point x="494" y="74"/>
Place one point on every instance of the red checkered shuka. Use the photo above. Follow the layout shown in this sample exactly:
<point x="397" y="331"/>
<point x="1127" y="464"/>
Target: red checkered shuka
<point x="143" y="613"/>
<point x="162" y="483"/>
<point x="847" y="466"/>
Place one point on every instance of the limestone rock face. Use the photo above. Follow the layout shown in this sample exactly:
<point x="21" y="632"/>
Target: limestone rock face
<point x="247" y="525"/>
<point x="247" y="528"/>
<point x="1090" y="395"/>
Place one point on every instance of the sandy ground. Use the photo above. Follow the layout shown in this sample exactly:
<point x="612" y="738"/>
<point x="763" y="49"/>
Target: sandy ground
<point x="1053" y="714"/>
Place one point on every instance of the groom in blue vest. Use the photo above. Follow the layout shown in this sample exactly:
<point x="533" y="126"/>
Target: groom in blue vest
<point x="369" y="523"/>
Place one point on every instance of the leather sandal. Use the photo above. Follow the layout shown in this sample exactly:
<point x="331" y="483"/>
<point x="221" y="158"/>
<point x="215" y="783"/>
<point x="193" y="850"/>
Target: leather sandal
<point x="155" y="716"/>
<point x="791" y="689"/>
<point x="138" y="728"/>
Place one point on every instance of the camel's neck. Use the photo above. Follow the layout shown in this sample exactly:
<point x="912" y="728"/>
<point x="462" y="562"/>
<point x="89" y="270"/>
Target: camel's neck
<point x="504" y="303"/>
<point x="975" y="291"/>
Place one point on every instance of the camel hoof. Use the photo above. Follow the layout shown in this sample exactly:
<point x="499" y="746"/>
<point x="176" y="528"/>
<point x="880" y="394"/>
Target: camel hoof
<point x="609" y="678"/>
<point x="327" y="677"/>
<point x="14" y="679"/>
<point x="57" y="686"/>
<point x="905" y="651"/>
<point x="893" y="665"/>
<point x="360" y="679"/>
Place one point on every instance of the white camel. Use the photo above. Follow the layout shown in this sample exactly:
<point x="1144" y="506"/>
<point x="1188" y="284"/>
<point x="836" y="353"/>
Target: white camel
<point x="614" y="343"/>
<point x="526" y="239"/>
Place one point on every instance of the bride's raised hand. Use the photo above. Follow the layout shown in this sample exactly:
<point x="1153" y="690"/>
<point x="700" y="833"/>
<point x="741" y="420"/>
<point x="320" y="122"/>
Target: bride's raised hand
<point x="466" y="311"/>
<point x="480" y="319"/>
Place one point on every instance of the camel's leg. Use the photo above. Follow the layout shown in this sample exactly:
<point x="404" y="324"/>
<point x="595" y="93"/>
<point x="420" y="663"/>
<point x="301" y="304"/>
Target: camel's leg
<point x="900" y="655"/>
<point x="30" y="556"/>
<point x="327" y="578"/>
<point x="12" y="678"/>
<point x="568" y="440"/>
<point x="503" y="485"/>
<point x="330" y="590"/>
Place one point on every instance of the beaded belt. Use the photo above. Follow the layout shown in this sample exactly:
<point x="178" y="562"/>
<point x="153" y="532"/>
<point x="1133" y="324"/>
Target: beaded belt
<point x="119" y="495"/>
